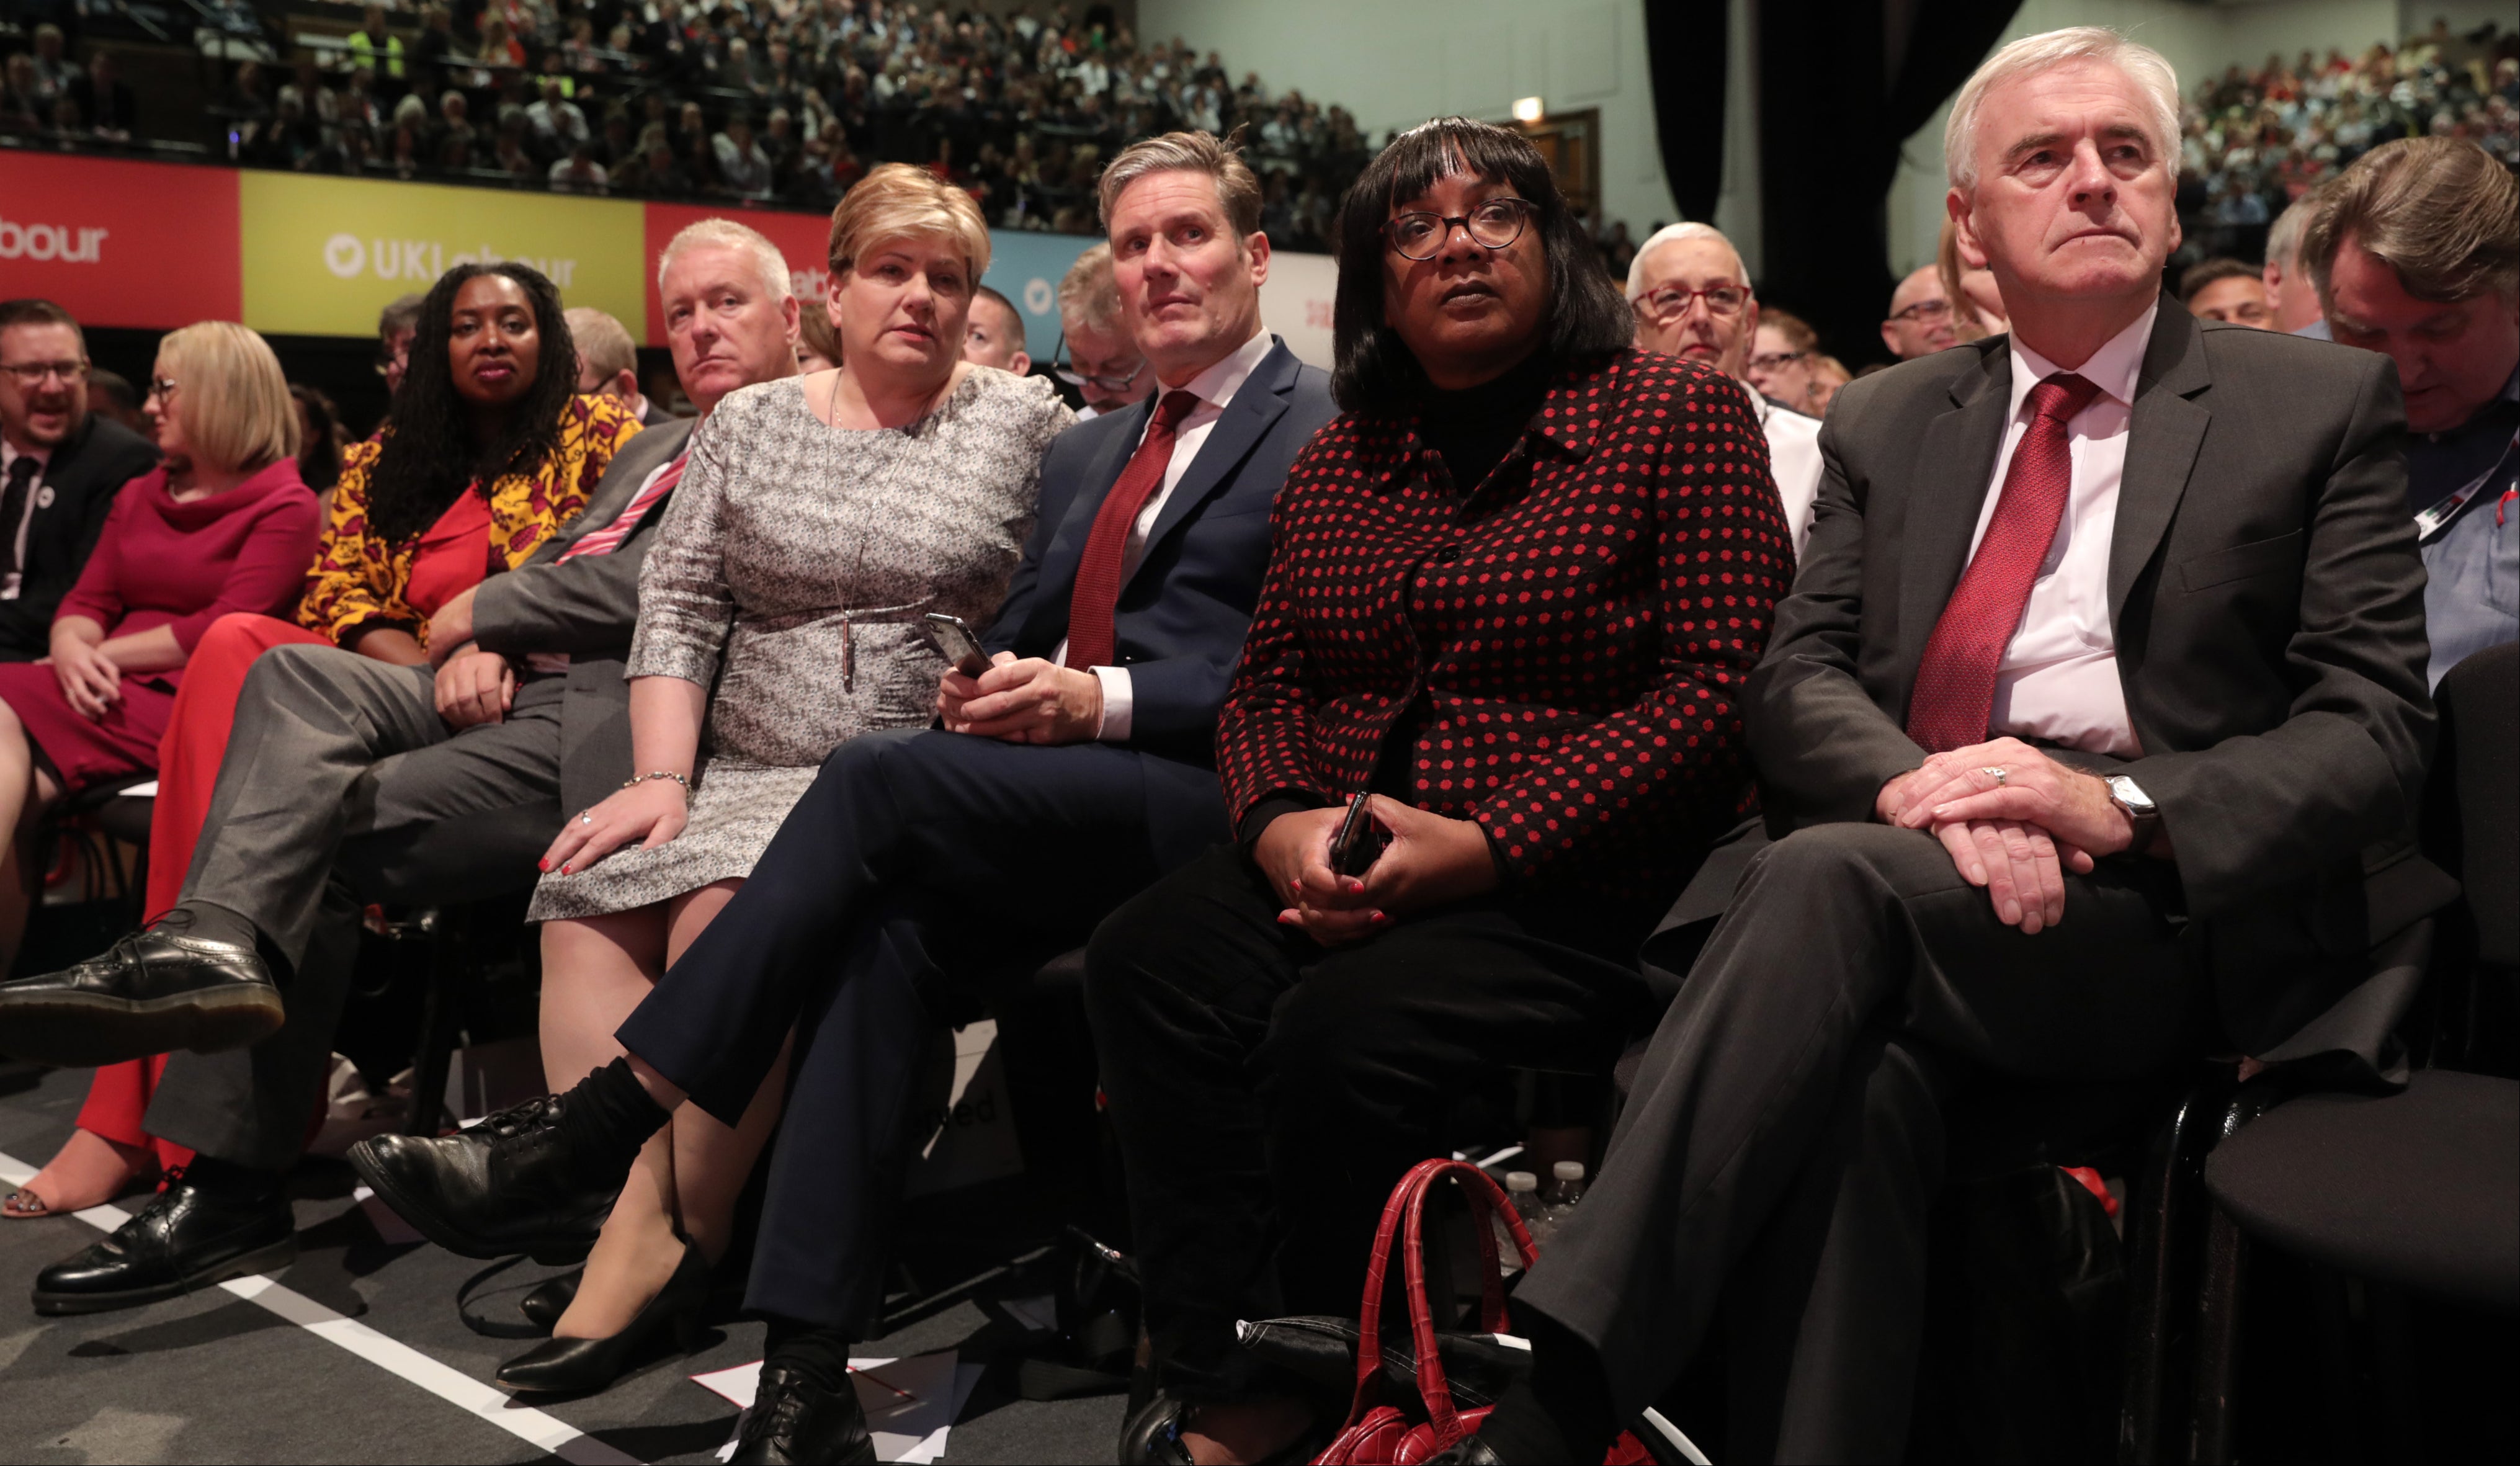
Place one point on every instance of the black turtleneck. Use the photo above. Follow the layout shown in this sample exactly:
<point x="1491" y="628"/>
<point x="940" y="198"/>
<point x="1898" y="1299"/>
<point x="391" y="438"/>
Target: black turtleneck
<point x="1472" y="429"/>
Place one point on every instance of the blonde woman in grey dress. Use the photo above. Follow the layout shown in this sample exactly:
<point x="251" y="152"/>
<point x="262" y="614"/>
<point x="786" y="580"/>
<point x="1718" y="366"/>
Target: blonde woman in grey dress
<point x="817" y="520"/>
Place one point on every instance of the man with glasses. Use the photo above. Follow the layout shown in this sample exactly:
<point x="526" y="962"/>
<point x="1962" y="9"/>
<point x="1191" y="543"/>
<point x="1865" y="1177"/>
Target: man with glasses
<point x="1693" y="300"/>
<point x="1095" y="355"/>
<point x="59" y="468"/>
<point x="1920" y="318"/>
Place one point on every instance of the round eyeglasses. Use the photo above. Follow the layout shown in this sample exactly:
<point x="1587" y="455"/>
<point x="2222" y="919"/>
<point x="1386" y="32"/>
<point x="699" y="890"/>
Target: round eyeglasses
<point x="1067" y="372"/>
<point x="1493" y="225"/>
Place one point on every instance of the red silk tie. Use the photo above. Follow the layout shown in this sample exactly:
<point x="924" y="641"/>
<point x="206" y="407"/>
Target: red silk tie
<point x="608" y="539"/>
<point x="1954" y="695"/>
<point x="1097" y="575"/>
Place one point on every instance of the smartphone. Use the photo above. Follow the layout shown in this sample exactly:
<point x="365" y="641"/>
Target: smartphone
<point x="1360" y="841"/>
<point x="955" y="643"/>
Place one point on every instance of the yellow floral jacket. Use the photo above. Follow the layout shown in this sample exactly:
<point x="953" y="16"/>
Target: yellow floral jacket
<point x="359" y="579"/>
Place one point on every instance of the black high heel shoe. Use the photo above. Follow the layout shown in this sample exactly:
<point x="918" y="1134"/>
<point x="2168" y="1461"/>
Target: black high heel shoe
<point x="551" y="1298"/>
<point x="558" y="1367"/>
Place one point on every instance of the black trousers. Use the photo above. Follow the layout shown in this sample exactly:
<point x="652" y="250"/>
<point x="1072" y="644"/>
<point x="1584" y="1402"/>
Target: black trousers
<point x="1784" y="1138"/>
<point x="915" y="859"/>
<point x="1268" y="1092"/>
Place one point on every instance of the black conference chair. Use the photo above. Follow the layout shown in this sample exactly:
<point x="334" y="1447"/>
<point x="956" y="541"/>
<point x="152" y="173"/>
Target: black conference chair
<point x="2416" y="1192"/>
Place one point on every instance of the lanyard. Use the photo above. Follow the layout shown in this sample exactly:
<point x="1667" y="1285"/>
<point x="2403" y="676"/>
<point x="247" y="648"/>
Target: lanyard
<point x="2432" y="521"/>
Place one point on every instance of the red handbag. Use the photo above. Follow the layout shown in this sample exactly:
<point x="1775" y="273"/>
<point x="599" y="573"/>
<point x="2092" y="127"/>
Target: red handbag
<point x="1378" y="1432"/>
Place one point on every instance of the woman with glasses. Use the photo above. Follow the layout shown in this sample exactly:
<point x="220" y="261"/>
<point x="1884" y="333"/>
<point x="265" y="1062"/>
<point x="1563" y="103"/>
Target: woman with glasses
<point x="223" y="525"/>
<point x="1513" y="597"/>
<point x="489" y="450"/>
<point x="1784" y="361"/>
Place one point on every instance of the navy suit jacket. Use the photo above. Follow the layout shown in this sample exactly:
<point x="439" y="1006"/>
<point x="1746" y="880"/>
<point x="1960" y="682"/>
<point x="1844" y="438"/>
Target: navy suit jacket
<point x="1186" y="603"/>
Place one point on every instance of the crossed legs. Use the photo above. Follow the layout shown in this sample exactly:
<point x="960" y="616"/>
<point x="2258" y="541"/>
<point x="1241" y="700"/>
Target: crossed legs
<point x="594" y="971"/>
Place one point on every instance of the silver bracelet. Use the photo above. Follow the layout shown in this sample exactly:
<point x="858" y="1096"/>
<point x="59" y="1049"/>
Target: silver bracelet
<point x="632" y="783"/>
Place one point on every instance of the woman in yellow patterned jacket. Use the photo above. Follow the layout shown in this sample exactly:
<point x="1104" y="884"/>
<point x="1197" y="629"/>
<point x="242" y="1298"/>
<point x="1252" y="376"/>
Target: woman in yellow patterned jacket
<point x="488" y="451"/>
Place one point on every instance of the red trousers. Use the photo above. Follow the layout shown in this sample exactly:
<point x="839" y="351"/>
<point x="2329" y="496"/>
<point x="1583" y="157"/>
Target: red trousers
<point x="188" y="772"/>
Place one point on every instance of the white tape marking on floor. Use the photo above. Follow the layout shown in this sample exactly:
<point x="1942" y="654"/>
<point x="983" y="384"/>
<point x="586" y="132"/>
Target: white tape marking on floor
<point x="453" y="1386"/>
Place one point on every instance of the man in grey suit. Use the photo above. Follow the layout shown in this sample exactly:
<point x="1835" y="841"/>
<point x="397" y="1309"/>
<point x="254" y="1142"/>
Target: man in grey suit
<point x="350" y="780"/>
<point x="2089" y="740"/>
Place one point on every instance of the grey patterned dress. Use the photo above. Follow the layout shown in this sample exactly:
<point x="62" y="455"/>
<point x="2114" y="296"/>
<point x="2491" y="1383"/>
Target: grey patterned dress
<point x="786" y="578"/>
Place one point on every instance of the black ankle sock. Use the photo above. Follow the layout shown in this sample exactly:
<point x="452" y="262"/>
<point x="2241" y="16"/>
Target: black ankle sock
<point x="230" y="1181"/>
<point x="821" y="1355"/>
<point x="210" y="924"/>
<point x="1561" y="1410"/>
<point x="609" y="1116"/>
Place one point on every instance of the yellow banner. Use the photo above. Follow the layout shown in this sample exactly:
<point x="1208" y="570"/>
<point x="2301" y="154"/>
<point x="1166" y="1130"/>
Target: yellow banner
<point x="323" y="255"/>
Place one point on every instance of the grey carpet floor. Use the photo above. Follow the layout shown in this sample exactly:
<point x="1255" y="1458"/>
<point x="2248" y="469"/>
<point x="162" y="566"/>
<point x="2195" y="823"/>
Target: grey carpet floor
<point x="215" y="1378"/>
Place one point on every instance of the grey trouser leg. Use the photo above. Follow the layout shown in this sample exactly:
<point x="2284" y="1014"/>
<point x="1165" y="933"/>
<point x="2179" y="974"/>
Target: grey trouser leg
<point x="1789" y="1101"/>
<point x="339" y="770"/>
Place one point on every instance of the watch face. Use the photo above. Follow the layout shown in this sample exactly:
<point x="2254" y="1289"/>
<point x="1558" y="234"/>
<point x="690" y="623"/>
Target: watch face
<point x="2129" y="794"/>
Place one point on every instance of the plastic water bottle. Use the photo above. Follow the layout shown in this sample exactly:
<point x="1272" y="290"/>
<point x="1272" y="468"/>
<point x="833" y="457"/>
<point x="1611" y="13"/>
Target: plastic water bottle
<point x="1522" y="1193"/>
<point x="1566" y="1186"/>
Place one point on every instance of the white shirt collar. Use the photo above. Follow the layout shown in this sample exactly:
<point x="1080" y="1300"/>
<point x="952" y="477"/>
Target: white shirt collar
<point x="10" y="453"/>
<point x="1217" y="385"/>
<point x="2113" y="369"/>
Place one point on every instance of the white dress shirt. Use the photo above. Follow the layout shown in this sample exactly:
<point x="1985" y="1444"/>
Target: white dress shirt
<point x="10" y="453"/>
<point x="1214" y="388"/>
<point x="2059" y="678"/>
<point x="1793" y="457"/>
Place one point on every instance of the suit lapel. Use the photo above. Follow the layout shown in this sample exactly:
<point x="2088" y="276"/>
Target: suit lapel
<point x="647" y="449"/>
<point x="1954" y="463"/>
<point x="1259" y="404"/>
<point x="2163" y="435"/>
<point x="1059" y="563"/>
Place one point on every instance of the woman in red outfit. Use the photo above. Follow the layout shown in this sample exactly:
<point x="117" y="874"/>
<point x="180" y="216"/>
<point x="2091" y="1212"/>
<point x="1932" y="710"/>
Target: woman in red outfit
<point x="1513" y="592"/>
<point x="224" y="525"/>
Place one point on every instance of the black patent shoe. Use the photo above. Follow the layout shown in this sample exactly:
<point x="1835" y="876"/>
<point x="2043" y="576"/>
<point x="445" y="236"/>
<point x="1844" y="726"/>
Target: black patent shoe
<point x="155" y="990"/>
<point x="1152" y="1437"/>
<point x="570" y="1366"/>
<point x="549" y="1298"/>
<point x="1470" y="1451"/>
<point x="509" y="1185"/>
<point x="794" y="1421"/>
<point x="184" y="1240"/>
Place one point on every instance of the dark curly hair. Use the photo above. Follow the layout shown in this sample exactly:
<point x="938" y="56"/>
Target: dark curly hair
<point x="429" y="456"/>
<point x="1374" y="371"/>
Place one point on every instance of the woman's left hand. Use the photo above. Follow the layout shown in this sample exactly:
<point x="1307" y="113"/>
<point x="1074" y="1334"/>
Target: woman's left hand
<point x="649" y="812"/>
<point x="90" y="681"/>
<point x="1431" y="860"/>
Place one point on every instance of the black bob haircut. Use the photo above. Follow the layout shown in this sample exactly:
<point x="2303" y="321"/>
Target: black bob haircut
<point x="1376" y="371"/>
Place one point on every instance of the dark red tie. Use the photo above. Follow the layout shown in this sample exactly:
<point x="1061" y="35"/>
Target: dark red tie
<point x="1954" y="695"/>
<point x="1097" y="575"/>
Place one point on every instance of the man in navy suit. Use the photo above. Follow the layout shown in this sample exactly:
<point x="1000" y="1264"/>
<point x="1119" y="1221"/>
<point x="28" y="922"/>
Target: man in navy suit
<point x="1065" y="779"/>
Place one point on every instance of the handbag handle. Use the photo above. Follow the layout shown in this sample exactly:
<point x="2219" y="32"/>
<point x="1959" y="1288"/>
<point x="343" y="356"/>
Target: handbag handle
<point x="1404" y="1213"/>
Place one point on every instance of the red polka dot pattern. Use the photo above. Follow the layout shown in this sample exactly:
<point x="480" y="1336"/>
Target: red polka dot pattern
<point x="1575" y="632"/>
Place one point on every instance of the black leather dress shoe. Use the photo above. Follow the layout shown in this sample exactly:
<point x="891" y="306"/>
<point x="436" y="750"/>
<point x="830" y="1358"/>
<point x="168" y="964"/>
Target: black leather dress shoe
<point x="153" y="992"/>
<point x="509" y="1185"/>
<point x="1152" y="1435"/>
<point x="796" y="1422"/>
<point x="184" y="1240"/>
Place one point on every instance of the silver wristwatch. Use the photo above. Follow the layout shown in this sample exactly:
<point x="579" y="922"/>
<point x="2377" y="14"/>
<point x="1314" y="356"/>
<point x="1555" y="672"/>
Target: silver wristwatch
<point x="2128" y="795"/>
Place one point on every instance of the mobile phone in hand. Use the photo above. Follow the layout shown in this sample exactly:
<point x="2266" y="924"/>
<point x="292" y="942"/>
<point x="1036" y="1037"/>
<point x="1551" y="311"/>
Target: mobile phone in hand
<point x="1360" y="841"/>
<point x="953" y="641"/>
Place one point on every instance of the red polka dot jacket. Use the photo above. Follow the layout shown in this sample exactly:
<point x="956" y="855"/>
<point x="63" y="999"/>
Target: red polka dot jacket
<point x="1579" y="628"/>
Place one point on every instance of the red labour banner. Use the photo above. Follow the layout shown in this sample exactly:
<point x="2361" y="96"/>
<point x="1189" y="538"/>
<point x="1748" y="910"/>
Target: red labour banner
<point x="803" y="240"/>
<point x="120" y="244"/>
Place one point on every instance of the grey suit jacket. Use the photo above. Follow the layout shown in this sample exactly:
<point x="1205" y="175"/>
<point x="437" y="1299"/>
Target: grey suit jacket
<point x="2267" y="601"/>
<point x="586" y="609"/>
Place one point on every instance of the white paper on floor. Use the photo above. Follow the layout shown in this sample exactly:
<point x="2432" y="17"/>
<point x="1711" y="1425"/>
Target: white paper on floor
<point x="910" y="1403"/>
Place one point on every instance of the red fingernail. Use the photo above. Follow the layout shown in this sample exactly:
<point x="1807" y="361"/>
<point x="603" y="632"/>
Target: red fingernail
<point x="543" y="865"/>
<point x="1379" y="919"/>
<point x="565" y="870"/>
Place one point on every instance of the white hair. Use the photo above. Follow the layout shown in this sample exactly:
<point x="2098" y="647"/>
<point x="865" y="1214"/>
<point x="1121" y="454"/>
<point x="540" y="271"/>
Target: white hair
<point x="2033" y="54"/>
<point x="1673" y="233"/>
<point x="726" y="234"/>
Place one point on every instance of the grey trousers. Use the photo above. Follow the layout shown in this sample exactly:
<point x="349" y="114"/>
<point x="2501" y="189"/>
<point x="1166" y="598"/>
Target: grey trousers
<point x="343" y="785"/>
<point x="1784" y="1140"/>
